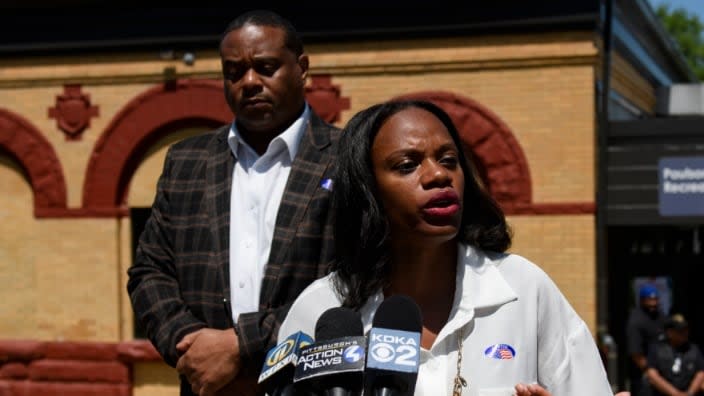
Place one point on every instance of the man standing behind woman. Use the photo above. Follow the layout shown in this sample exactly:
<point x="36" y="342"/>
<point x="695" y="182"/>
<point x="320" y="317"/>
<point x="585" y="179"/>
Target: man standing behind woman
<point x="412" y="218"/>
<point x="239" y="226"/>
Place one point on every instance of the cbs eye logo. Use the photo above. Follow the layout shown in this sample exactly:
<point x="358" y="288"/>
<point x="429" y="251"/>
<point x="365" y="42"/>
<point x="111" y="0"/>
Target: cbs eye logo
<point x="402" y="354"/>
<point x="383" y="352"/>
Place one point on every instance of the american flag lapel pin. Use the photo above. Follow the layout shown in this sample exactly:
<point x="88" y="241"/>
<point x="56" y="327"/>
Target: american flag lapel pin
<point x="326" y="184"/>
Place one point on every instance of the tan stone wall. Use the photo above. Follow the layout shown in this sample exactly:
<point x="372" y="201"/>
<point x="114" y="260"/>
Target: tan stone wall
<point x="545" y="108"/>
<point x="59" y="277"/>
<point x="66" y="277"/>
<point x="563" y="246"/>
<point x="155" y="379"/>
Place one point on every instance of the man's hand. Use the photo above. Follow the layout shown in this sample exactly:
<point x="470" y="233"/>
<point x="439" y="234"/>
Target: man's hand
<point x="640" y="361"/>
<point x="210" y="359"/>
<point x="661" y="384"/>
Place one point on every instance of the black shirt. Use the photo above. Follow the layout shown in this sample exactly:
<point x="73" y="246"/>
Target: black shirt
<point x="677" y="365"/>
<point x="643" y="329"/>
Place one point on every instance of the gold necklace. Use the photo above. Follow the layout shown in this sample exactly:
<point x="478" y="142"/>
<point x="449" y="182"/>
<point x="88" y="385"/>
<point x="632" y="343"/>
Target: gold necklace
<point x="460" y="382"/>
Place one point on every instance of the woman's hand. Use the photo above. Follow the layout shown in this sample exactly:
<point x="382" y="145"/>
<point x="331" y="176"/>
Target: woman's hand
<point x="537" y="390"/>
<point x="531" y="390"/>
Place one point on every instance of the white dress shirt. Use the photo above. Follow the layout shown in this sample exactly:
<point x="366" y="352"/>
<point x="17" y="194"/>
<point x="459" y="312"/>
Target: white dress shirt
<point x="502" y="300"/>
<point x="258" y="183"/>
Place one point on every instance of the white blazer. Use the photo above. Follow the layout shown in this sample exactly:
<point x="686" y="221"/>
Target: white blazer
<point x="516" y="327"/>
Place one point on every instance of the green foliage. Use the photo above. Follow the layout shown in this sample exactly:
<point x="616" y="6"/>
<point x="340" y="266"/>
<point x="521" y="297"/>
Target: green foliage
<point x="688" y="32"/>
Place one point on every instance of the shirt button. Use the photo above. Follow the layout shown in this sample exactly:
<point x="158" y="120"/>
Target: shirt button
<point x="241" y="284"/>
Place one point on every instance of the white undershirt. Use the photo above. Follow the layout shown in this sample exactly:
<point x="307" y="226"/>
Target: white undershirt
<point x="257" y="186"/>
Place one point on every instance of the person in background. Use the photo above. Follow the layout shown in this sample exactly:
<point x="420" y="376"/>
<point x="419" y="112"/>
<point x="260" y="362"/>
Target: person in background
<point x="413" y="218"/>
<point x="645" y="326"/>
<point x="675" y="366"/>
<point x="240" y="223"/>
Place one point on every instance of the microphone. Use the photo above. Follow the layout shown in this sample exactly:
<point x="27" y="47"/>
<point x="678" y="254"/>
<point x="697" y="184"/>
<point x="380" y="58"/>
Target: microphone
<point x="334" y="364"/>
<point x="393" y="353"/>
<point x="279" y="365"/>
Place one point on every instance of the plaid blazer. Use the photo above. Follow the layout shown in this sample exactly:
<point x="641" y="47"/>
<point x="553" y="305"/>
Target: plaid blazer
<point x="179" y="281"/>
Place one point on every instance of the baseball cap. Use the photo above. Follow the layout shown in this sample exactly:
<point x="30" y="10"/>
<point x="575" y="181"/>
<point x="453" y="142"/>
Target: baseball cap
<point x="676" y="322"/>
<point x="648" y="291"/>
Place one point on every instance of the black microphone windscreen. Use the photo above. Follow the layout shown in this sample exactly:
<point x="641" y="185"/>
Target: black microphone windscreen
<point x="334" y="364"/>
<point x="338" y="322"/>
<point x="399" y="312"/>
<point x="393" y="350"/>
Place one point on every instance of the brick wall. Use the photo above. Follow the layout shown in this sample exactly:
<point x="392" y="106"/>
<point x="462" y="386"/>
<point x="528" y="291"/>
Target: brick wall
<point x="65" y="277"/>
<point x="29" y="368"/>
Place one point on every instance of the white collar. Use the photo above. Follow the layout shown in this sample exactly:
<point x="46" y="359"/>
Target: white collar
<point x="290" y="138"/>
<point x="479" y="284"/>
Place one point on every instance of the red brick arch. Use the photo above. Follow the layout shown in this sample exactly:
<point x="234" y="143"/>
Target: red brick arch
<point x="27" y="145"/>
<point x="121" y="146"/>
<point x="497" y="153"/>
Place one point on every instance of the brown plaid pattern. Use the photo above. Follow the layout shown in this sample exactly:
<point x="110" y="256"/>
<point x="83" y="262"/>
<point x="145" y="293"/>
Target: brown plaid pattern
<point x="180" y="278"/>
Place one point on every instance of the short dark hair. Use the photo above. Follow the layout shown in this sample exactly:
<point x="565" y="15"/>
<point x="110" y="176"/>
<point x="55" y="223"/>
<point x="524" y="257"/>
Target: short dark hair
<point x="268" y="18"/>
<point x="361" y="230"/>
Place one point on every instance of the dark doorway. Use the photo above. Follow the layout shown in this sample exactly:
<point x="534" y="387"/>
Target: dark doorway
<point x="669" y="254"/>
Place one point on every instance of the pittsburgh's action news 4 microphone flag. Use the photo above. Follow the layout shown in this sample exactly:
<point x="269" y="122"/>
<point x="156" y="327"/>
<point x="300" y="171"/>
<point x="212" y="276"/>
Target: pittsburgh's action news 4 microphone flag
<point x="279" y="365"/>
<point x="334" y="364"/>
<point x="393" y="352"/>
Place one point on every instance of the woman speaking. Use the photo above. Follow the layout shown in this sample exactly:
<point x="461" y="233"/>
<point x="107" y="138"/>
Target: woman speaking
<point x="412" y="218"/>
